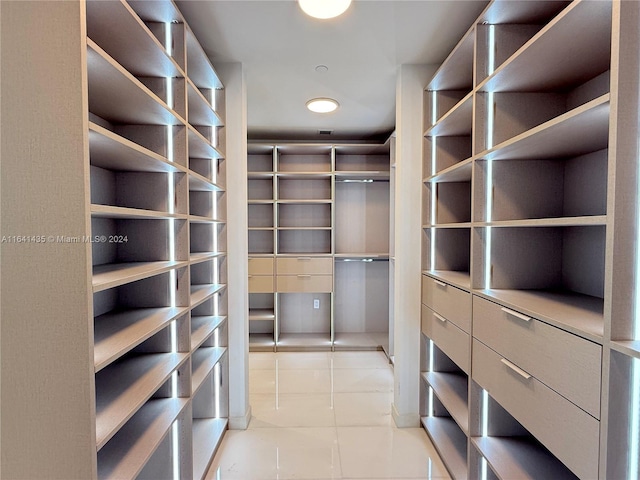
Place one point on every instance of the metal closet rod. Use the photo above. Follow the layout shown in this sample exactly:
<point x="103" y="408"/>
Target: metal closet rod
<point x="363" y="180"/>
<point x="366" y="260"/>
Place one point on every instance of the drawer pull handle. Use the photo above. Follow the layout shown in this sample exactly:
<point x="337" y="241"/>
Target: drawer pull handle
<point x="250" y="276"/>
<point x="516" y="314"/>
<point x="516" y="369"/>
<point x="304" y="276"/>
<point x="440" y="317"/>
<point x="440" y="284"/>
<point x="304" y="259"/>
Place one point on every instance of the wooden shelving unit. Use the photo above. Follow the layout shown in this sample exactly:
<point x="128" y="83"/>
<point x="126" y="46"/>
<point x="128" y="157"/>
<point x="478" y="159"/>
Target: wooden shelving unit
<point x="317" y="202"/>
<point x="528" y="131"/>
<point x="145" y="242"/>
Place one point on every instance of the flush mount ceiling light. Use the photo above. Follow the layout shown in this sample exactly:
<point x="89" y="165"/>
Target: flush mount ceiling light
<point x="322" y="105"/>
<point x="324" y="8"/>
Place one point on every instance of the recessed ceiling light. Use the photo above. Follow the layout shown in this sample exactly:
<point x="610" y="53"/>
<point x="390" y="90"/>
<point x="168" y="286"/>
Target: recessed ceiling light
<point x="322" y="105"/>
<point x="324" y="8"/>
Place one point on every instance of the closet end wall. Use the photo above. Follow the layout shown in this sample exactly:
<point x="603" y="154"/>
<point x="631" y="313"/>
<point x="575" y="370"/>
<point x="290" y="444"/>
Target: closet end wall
<point x="319" y="246"/>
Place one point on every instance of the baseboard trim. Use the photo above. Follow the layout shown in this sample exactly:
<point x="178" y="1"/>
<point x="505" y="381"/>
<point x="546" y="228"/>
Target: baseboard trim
<point x="404" y="421"/>
<point x="240" y="423"/>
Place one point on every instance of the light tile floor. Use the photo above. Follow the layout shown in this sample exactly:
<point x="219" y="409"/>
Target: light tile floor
<point x="323" y="415"/>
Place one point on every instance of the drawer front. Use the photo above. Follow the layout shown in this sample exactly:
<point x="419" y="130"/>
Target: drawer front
<point x="261" y="284"/>
<point x="567" y="431"/>
<point x="568" y="364"/>
<point x="450" y="302"/>
<point x="260" y="266"/>
<point x="304" y="265"/>
<point x="453" y="341"/>
<point x="305" y="283"/>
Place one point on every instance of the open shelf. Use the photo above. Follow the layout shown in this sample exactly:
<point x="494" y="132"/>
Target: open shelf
<point x="117" y="96"/>
<point x="129" y="450"/>
<point x="202" y="362"/>
<point x="199" y="183"/>
<point x="456" y="72"/>
<point x="112" y="275"/>
<point x="115" y="26"/>
<point x="261" y="314"/>
<point x="199" y="146"/>
<point x="199" y="68"/>
<point x="118" y="332"/>
<point x="456" y="122"/>
<point x="459" y="172"/>
<point x="452" y="390"/>
<point x="202" y="326"/>
<point x="550" y="60"/>
<point x="450" y="443"/>
<point x="111" y="151"/>
<point x="200" y="110"/>
<point x="123" y="387"/>
<point x="520" y="457"/>
<point x="630" y="348"/>
<point x="579" y="131"/>
<point x="207" y="435"/>
<point x="199" y="293"/>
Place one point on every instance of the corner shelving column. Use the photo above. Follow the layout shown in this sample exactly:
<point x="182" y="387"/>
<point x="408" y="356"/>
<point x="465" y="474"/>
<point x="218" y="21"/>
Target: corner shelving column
<point x="446" y="294"/>
<point x="361" y="232"/>
<point x="262" y="233"/>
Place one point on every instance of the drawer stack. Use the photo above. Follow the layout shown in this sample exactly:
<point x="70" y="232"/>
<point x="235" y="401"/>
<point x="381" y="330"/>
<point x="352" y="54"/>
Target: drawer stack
<point x="546" y="379"/>
<point x="261" y="278"/>
<point x="304" y="275"/>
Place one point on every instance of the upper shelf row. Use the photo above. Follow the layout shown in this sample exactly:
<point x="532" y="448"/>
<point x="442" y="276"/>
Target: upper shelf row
<point x="525" y="47"/>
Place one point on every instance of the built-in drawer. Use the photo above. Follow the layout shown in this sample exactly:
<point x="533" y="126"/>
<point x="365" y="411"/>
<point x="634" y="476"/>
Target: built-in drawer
<point x="449" y="338"/>
<point x="303" y="265"/>
<point x="452" y="303"/>
<point x="567" y="431"/>
<point x="565" y="362"/>
<point x="261" y="284"/>
<point x="305" y="283"/>
<point x="260" y="266"/>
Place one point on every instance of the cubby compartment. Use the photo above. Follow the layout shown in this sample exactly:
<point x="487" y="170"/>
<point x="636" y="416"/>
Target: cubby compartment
<point x="262" y="318"/>
<point x="304" y="159"/>
<point x="361" y="302"/>
<point x="142" y="448"/>
<point x="260" y="215"/>
<point x="207" y="237"/>
<point x="123" y="241"/>
<point x="362" y="158"/>
<point x="260" y="189"/>
<point x="544" y="189"/>
<point x="302" y="325"/>
<point x="554" y="273"/>
<point x="261" y="242"/>
<point x="128" y="315"/>
<point x="137" y="190"/>
<point x="304" y="188"/>
<point x="260" y="159"/>
<point x="302" y="215"/>
<point x="505" y="115"/>
<point x="448" y="250"/>
<point x="453" y="202"/>
<point x="444" y="152"/>
<point x="209" y="205"/>
<point x="362" y="217"/>
<point x="207" y="278"/>
<point x="292" y="241"/>
<point x="211" y="170"/>
<point x="167" y="141"/>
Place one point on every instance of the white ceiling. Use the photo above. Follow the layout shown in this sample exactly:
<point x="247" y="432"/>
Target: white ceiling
<point x="280" y="48"/>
